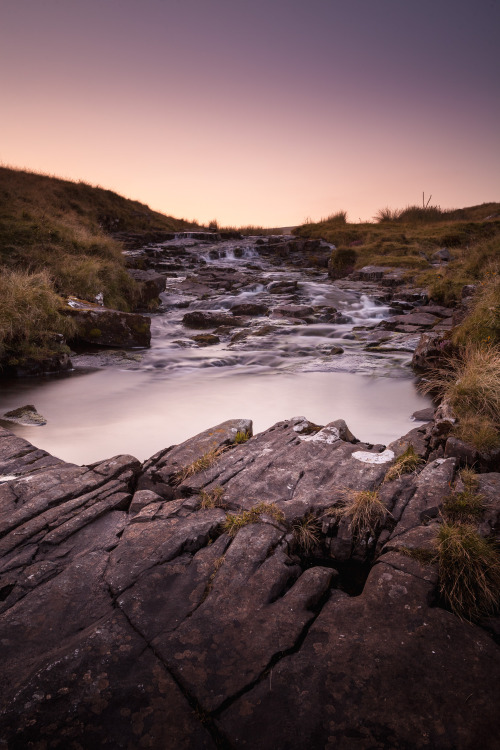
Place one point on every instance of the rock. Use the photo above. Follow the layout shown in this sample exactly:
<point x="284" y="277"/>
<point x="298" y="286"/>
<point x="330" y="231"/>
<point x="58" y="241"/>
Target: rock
<point x="105" y="327"/>
<point x="137" y="618"/>
<point x="141" y="500"/>
<point x="165" y="467"/>
<point x="249" y="308"/>
<point x="152" y="284"/>
<point x="439" y="310"/>
<point x="26" y="415"/>
<point x="370" y="273"/>
<point x="468" y="290"/>
<point x="430" y="352"/>
<point x="30" y="367"/>
<point x="362" y="657"/>
<point x="424" y="415"/>
<point x="203" y="319"/>
<point x="466" y="454"/>
<point x="282" y="287"/>
<point x="442" y="255"/>
<point x="293" y="311"/>
<point x="206" y="339"/>
<point x="422" y="320"/>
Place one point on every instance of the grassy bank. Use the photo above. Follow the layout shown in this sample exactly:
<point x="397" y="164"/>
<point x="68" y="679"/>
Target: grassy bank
<point x="470" y="379"/>
<point x="409" y="238"/>
<point x="56" y="239"/>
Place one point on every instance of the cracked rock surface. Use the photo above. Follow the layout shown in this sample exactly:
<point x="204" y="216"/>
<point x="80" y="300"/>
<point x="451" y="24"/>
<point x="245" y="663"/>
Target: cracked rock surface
<point x="218" y="597"/>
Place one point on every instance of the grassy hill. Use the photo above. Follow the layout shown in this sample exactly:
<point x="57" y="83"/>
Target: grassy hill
<point x="56" y="239"/>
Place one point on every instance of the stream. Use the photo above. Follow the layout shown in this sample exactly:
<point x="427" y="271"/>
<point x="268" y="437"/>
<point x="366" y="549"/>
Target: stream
<point x="268" y="367"/>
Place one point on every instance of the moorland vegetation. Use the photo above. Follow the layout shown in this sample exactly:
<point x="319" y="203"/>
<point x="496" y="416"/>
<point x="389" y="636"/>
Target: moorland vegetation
<point x="58" y="238"/>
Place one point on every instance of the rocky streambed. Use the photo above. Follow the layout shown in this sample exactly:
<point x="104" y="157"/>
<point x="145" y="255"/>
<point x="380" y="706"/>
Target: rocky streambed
<point x="242" y="321"/>
<point x="220" y="593"/>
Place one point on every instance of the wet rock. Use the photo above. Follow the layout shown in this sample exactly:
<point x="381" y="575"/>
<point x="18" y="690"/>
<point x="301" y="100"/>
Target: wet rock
<point x="249" y="308"/>
<point x="25" y="415"/>
<point x="293" y="311"/>
<point x="206" y="339"/>
<point x="422" y="320"/>
<point x="282" y="287"/>
<point x="424" y="415"/>
<point x="105" y="327"/>
<point x="203" y="319"/>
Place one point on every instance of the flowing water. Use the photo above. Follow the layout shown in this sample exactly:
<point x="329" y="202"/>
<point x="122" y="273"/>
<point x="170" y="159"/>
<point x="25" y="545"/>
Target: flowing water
<point x="277" y="368"/>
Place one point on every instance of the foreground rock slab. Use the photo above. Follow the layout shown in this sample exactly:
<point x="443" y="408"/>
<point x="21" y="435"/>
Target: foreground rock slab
<point x="217" y="596"/>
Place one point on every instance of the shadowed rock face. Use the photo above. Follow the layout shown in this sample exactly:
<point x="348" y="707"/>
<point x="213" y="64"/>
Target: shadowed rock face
<point x="130" y="617"/>
<point x="105" y="327"/>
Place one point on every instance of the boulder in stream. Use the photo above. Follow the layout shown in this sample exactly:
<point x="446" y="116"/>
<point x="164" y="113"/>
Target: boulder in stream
<point x="104" y="327"/>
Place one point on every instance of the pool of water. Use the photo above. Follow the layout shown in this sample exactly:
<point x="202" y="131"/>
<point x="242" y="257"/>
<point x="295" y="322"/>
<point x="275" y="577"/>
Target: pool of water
<point x="96" y="415"/>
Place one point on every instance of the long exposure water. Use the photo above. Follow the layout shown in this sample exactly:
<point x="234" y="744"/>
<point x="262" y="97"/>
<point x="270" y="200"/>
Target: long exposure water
<point x="178" y="388"/>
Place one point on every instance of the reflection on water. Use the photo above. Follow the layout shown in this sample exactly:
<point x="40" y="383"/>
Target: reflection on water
<point x="97" y="415"/>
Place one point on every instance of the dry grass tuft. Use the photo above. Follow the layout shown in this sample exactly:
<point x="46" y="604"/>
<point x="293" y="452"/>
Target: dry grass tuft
<point x="365" y="509"/>
<point x="29" y="313"/>
<point x="306" y="533"/>
<point x="469" y="571"/>
<point x="406" y="463"/>
<point x="482" y="323"/>
<point x="235" y="522"/>
<point x="479" y="431"/>
<point x="212" y="499"/>
<point x="201" y="464"/>
<point x="470" y="382"/>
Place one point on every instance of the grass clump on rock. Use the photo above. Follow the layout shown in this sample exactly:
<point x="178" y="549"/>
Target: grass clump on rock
<point x="236" y="522"/>
<point x="30" y="315"/>
<point x="469" y="571"/>
<point x="463" y="507"/>
<point x="200" y="464"/>
<point x="241" y="437"/>
<point x="212" y="498"/>
<point x="406" y="463"/>
<point x="365" y="509"/>
<point x="306" y="533"/>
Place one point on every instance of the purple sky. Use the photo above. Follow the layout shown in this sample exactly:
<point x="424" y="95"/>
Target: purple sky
<point x="265" y="112"/>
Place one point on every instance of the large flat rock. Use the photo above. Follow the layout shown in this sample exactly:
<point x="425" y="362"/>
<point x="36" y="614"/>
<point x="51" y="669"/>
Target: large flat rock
<point x="132" y="616"/>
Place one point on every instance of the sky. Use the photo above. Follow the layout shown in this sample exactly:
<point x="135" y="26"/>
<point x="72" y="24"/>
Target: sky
<point x="267" y="112"/>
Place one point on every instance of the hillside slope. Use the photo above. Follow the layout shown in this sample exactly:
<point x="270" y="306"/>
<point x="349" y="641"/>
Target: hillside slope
<point x="59" y="238"/>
